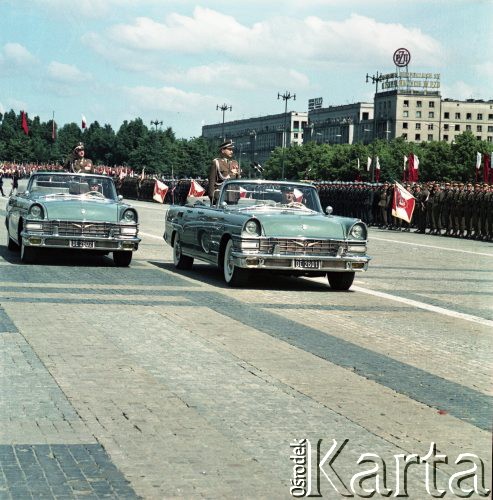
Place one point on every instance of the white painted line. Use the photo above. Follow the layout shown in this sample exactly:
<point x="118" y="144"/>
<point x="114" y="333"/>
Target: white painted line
<point x="151" y="236"/>
<point x="422" y="305"/>
<point x="431" y="246"/>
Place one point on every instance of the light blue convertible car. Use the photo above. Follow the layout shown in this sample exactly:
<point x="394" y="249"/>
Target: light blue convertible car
<point x="267" y="225"/>
<point x="71" y="211"/>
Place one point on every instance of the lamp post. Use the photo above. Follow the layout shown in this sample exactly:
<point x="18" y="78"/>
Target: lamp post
<point x="223" y="108"/>
<point x="156" y="123"/>
<point x="285" y="97"/>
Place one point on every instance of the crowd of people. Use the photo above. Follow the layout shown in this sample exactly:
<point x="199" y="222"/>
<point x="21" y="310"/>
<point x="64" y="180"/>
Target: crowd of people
<point x="463" y="210"/>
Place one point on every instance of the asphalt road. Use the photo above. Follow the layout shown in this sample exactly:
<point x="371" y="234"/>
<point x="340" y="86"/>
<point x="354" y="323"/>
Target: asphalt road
<point x="159" y="383"/>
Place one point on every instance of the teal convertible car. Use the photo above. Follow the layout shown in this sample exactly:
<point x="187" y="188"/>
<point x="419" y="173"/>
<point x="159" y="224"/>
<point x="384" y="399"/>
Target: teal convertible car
<point x="71" y="211"/>
<point x="268" y="225"/>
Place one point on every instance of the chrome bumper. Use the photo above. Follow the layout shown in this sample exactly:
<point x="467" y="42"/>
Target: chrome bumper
<point x="40" y="240"/>
<point x="343" y="263"/>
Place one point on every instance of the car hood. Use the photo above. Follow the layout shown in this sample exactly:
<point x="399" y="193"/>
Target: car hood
<point x="301" y="225"/>
<point x="77" y="209"/>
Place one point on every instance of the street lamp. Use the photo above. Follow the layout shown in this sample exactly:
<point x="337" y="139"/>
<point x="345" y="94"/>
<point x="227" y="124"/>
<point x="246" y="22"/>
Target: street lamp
<point x="285" y="97"/>
<point x="223" y="108"/>
<point x="156" y="123"/>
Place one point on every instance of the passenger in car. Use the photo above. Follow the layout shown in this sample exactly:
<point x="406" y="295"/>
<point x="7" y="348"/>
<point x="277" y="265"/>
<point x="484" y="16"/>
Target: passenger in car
<point x="222" y="168"/>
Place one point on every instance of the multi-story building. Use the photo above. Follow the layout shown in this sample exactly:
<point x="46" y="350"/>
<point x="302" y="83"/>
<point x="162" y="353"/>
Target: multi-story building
<point x="256" y="138"/>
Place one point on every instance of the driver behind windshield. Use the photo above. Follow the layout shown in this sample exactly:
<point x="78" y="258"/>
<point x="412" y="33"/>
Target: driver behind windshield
<point x="291" y="195"/>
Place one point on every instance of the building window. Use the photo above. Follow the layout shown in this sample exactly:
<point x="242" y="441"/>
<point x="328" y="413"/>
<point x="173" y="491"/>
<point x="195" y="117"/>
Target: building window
<point x="417" y="137"/>
<point x="478" y="137"/>
<point x="446" y="115"/>
<point x="430" y="137"/>
<point x="431" y="114"/>
<point x="418" y="114"/>
<point x="404" y="136"/>
<point x="419" y="104"/>
<point x="366" y="115"/>
<point x="457" y="116"/>
<point x="490" y="128"/>
<point x="405" y="103"/>
<point x="468" y="116"/>
<point x="430" y="126"/>
<point x="445" y="127"/>
<point x="490" y="116"/>
<point x="457" y="128"/>
<point x="404" y="125"/>
<point x="479" y="128"/>
<point x="405" y="114"/>
<point x="296" y="135"/>
<point x="468" y="127"/>
<point x="418" y="126"/>
<point x="431" y="104"/>
<point x="489" y="138"/>
<point x="480" y="116"/>
<point x="296" y="124"/>
<point x="445" y="137"/>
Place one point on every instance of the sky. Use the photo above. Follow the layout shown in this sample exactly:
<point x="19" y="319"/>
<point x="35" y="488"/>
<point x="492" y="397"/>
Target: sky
<point x="176" y="61"/>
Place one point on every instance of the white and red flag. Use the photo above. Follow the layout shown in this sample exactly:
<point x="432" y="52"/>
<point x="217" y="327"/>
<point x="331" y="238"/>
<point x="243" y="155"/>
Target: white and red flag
<point x="377" y="169"/>
<point x="196" y="189"/>
<point x="243" y="192"/>
<point x="403" y="203"/>
<point x="84" y="122"/>
<point x="413" y="168"/>
<point x="478" y="160"/>
<point x="368" y="164"/>
<point x="298" y="195"/>
<point x="160" y="190"/>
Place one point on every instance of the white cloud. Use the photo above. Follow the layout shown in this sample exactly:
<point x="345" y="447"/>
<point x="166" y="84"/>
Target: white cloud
<point x="14" y="57"/>
<point x="66" y="73"/>
<point x="145" y="99"/>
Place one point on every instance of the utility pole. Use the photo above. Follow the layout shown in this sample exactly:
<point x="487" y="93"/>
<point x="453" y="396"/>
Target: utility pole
<point x="156" y="123"/>
<point x="223" y="108"/>
<point x="285" y="97"/>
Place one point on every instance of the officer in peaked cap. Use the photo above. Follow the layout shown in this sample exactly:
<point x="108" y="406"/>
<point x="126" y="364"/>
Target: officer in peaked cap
<point x="78" y="163"/>
<point x="222" y="168"/>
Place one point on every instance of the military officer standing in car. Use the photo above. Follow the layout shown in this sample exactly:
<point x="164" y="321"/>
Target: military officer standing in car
<point x="222" y="168"/>
<point x="78" y="163"/>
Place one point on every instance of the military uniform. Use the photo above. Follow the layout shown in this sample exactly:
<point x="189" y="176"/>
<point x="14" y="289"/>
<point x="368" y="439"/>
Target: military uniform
<point x="222" y="169"/>
<point x="78" y="164"/>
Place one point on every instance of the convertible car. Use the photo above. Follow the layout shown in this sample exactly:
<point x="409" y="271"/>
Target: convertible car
<point x="71" y="211"/>
<point x="267" y="225"/>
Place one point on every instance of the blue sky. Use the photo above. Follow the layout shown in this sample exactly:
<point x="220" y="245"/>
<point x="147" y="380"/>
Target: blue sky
<point x="176" y="60"/>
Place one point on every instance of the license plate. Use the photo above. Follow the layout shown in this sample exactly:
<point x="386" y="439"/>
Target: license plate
<point x="306" y="264"/>
<point x="81" y="244"/>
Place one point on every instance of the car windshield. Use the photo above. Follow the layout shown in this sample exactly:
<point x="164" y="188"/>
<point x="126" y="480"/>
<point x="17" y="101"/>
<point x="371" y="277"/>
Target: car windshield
<point x="72" y="185"/>
<point x="294" y="196"/>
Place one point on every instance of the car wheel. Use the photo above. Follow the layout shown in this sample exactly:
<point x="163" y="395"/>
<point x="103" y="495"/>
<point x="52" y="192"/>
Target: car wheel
<point x="233" y="276"/>
<point x="28" y="254"/>
<point x="11" y="244"/>
<point x="181" y="261"/>
<point x="340" y="281"/>
<point x="122" y="259"/>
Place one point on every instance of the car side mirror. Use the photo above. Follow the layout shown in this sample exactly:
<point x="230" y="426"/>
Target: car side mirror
<point x="120" y="197"/>
<point x="329" y="210"/>
<point x="25" y="193"/>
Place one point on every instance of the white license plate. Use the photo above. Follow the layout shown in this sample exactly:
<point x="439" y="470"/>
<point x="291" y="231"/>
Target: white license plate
<point x="81" y="244"/>
<point x="306" y="264"/>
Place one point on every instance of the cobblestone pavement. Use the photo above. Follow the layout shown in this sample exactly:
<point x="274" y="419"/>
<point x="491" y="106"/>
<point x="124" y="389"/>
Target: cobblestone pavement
<point x="148" y="382"/>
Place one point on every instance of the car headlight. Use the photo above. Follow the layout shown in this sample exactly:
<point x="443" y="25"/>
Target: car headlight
<point x="251" y="228"/>
<point x="35" y="212"/>
<point x="129" y="216"/>
<point x="358" y="232"/>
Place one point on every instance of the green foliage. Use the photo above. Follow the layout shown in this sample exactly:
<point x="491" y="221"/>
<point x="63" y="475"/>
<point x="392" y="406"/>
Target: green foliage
<point x="159" y="151"/>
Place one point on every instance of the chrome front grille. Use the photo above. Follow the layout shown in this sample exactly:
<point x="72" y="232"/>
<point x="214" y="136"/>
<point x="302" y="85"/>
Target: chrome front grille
<point x="81" y="229"/>
<point x="286" y="246"/>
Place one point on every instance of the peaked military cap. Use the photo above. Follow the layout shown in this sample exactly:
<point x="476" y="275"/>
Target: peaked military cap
<point x="79" y="146"/>
<point x="227" y="145"/>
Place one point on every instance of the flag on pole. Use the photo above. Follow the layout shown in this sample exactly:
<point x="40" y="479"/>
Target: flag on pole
<point x="413" y="166"/>
<point x="486" y="168"/>
<point x="377" y="170"/>
<point x="25" y="126"/>
<point x="404" y="169"/>
<point x="403" y="203"/>
<point x="358" y="163"/>
<point x="196" y="190"/>
<point x="478" y="160"/>
<point x="160" y="190"/>
<point x="298" y="195"/>
<point x="243" y="192"/>
<point x="142" y="175"/>
<point x="368" y="164"/>
<point x="84" y="122"/>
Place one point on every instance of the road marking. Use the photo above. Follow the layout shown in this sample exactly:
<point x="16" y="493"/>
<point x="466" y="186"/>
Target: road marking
<point x="151" y="235"/>
<point x="428" y="307"/>
<point x="431" y="246"/>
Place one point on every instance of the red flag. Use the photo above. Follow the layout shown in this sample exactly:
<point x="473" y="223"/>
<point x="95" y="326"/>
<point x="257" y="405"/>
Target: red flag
<point x="196" y="190"/>
<point x="243" y="192"/>
<point x="25" y="126"/>
<point x="160" y="190"/>
<point x="402" y="203"/>
<point x="84" y="122"/>
<point x="486" y="168"/>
